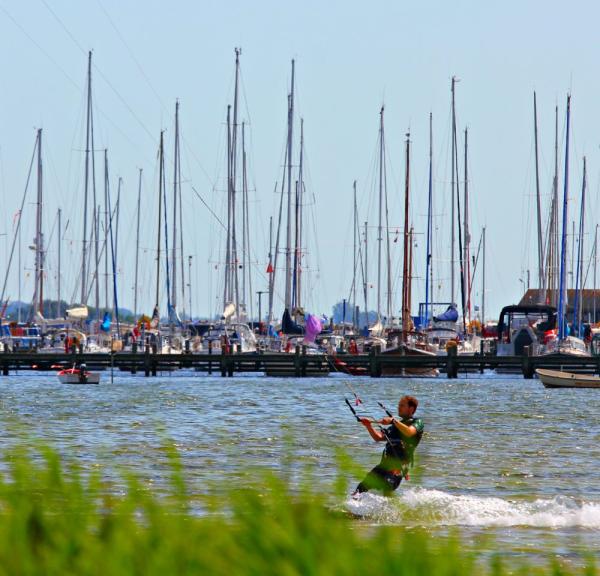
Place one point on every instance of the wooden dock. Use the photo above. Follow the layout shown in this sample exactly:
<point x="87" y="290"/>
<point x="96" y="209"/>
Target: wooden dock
<point x="296" y="364"/>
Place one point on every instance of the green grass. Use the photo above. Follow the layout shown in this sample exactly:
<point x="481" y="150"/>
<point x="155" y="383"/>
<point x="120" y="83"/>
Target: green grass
<point x="56" y="519"/>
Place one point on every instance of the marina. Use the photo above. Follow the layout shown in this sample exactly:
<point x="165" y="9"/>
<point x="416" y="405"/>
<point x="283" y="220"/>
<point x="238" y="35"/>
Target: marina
<point x="298" y="364"/>
<point x="299" y="289"/>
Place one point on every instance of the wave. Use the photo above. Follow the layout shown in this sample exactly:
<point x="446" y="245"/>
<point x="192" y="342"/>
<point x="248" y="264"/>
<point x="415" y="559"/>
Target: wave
<point x="423" y="507"/>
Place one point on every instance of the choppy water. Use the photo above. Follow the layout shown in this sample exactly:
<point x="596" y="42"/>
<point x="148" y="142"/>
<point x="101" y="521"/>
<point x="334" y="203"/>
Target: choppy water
<point x="501" y="456"/>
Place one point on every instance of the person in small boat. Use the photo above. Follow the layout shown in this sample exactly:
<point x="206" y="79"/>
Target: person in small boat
<point x="401" y="438"/>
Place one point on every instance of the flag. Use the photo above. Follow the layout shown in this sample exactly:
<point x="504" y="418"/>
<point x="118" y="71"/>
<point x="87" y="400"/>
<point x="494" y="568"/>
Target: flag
<point x="270" y="268"/>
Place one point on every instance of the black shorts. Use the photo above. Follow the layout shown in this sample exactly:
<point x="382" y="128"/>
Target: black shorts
<point x="380" y="479"/>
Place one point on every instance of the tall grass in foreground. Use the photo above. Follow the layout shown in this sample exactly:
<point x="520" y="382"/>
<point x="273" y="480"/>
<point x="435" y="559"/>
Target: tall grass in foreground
<point x="56" y="520"/>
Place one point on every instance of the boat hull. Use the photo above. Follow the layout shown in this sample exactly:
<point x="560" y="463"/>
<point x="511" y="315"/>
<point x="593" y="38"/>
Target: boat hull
<point x="558" y="379"/>
<point x="75" y="378"/>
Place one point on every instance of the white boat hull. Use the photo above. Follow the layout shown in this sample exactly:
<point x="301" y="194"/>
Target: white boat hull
<point x="559" y="379"/>
<point x="90" y="378"/>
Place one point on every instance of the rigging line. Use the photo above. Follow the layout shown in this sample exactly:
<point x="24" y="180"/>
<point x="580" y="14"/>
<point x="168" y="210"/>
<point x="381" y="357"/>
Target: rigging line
<point x="110" y="85"/>
<point x="40" y="47"/>
<point x="208" y="208"/>
<point x="12" y="250"/>
<point x="150" y="85"/>
<point x="130" y="51"/>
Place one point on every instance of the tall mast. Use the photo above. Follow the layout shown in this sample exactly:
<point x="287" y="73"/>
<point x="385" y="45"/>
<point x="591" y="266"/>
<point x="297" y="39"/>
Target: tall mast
<point x="288" y="249"/>
<point x="554" y="240"/>
<point x="578" y="305"/>
<point x="227" y="288"/>
<point x="460" y="244"/>
<point x="483" y="283"/>
<point x="58" y="250"/>
<point x="297" y="287"/>
<point x="248" y="299"/>
<point x="405" y="267"/>
<point x="117" y="217"/>
<point x="234" y="255"/>
<point x="270" y="268"/>
<point x="539" y="206"/>
<point x="466" y="255"/>
<point x="563" y="255"/>
<point x="428" y="284"/>
<point x="113" y="255"/>
<point x="106" y="217"/>
<point x="86" y="185"/>
<point x="38" y="298"/>
<point x="176" y="185"/>
<point x="161" y="165"/>
<point x="380" y="220"/>
<point x="366" y="276"/>
<point x="355" y="259"/>
<point x="595" y="269"/>
<point x="137" y="247"/>
<point x="245" y="237"/>
<point x="452" y="248"/>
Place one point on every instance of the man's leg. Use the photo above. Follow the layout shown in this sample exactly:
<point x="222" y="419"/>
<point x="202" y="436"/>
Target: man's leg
<point x="374" y="480"/>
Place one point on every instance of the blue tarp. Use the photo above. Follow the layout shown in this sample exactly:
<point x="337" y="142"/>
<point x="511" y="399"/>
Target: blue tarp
<point x="450" y="315"/>
<point x="106" y="322"/>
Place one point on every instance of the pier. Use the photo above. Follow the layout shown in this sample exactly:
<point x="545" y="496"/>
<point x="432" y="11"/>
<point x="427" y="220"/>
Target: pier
<point x="298" y="364"/>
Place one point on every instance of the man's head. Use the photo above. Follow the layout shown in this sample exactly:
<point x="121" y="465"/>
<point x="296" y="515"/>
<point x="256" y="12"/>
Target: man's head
<point x="407" y="406"/>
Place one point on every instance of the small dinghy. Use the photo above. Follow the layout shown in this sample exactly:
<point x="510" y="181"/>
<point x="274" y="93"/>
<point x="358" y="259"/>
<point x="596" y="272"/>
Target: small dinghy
<point x="78" y="376"/>
<point x="559" y="379"/>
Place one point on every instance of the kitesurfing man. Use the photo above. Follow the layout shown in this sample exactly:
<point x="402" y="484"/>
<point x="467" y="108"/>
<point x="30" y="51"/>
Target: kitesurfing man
<point x="402" y="436"/>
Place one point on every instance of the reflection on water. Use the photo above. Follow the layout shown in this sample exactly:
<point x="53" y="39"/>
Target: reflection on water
<point x="501" y="456"/>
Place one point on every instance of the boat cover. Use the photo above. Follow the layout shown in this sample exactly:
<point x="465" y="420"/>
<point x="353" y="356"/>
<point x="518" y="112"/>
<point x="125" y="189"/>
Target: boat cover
<point x="450" y="315"/>
<point x="288" y="326"/>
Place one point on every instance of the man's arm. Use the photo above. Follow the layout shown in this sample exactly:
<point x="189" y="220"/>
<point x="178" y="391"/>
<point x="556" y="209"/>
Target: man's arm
<point x="407" y="431"/>
<point x="377" y="435"/>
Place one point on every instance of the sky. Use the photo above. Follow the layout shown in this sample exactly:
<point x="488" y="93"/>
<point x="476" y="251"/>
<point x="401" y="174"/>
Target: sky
<point x="351" y="58"/>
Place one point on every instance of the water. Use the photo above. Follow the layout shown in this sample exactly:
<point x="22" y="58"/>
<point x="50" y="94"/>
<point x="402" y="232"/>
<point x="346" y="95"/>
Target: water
<point x="501" y="457"/>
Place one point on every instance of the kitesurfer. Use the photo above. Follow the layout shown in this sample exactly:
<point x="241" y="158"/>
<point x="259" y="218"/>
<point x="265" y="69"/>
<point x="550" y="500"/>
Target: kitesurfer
<point x="402" y="436"/>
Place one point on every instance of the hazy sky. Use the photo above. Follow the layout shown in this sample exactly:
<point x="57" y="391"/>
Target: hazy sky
<point x="351" y="58"/>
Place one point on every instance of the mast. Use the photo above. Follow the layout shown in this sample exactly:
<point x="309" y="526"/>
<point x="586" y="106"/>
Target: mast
<point x="58" y="250"/>
<point x="227" y="288"/>
<point x="595" y="267"/>
<point x="355" y="258"/>
<point x="38" y="296"/>
<point x="483" y="283"/>
<point x="113" y="255"/>
<point x="452" y="247"/>
<point x="246" y="277"/>
<point x="176" y="185"/>
<point x="428" y="273"/>
<point x="539" y="207"/>
<point x="137" y="246"/>
<point x="466" y="256"/>
<point x="161" y="165"/>
<point x="555" y="244"/>
<point x="234" y="255"/>
<point x="405" y="278"/>
<point x="288" y="250"/>
<point x="460" y="245"/>
<point x="270" y="267"/>
<point x="380" y="221"/>
<point x="86" y="184"/>
<point x="190" y="286"/>
<point x="366" y="276"/>
<point x="106" y="216"/>
<point x="563" y="255"/>
<point x="578" y="305"/>
<point x="299" y="221"/>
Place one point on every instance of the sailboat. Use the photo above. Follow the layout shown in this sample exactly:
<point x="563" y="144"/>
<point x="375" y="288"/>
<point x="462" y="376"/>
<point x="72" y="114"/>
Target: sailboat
<point x="408" y="344"/>
<point x="566" y="343"/>
<point x="231" y="331"/>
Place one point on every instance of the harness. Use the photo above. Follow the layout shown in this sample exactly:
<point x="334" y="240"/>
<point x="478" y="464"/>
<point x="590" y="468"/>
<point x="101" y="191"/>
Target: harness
<point x="401" y="449"/>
